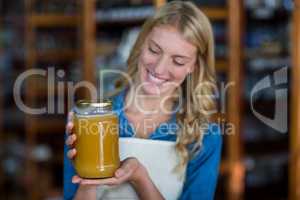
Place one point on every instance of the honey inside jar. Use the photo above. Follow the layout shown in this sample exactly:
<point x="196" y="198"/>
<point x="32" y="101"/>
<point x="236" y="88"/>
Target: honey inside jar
<point x="97" y="144"/>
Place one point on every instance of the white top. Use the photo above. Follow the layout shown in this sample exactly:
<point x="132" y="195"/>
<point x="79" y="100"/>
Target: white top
<point x="159" y="158"/>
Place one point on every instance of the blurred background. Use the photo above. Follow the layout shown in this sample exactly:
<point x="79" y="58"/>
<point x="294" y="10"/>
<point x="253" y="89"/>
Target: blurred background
<point x="257" y="49"/>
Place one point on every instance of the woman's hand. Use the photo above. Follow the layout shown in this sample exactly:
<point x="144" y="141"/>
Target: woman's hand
<point x="71" y="137"/>
<point x="131" y="170"/>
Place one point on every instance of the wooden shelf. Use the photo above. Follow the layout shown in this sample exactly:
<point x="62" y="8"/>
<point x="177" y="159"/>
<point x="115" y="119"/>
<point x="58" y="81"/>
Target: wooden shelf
<point x="39" y="127"/>
<point x="124" y="16"/>
<point x="221" y="65"/>
<point x="52" y="20"/>
<point x="44" y="92"/>
<point x="55" y="55"/>
<point x="215" y="13"/>
<point x="58" y="159"/>
<point x="294" y="162"/>
<point x="223" y="167"/>
<point x="121" y="22"/>
<point x="106" y="47"/>
<point x="52" y="125"/>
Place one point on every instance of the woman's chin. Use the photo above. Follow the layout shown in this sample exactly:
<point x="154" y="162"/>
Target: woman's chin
<point x="151" y="89"/>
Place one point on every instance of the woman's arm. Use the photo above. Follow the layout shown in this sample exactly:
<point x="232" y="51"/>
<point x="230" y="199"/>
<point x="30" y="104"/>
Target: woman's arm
<point x="144" y="186"/>
<point x="131" y="171"/>
<point x="202" y="170"/>
<point x="86" y="192"/>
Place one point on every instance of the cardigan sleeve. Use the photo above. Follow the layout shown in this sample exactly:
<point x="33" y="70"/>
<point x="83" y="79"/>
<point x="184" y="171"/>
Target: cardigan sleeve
<point x="202" y="171"/>
<point x="69" y="171"/>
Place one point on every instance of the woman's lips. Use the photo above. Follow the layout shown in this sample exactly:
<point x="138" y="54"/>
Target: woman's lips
<point x="154" y="79"/>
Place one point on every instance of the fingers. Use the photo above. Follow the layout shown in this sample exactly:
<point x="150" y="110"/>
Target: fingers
<point x="123" y="170"/>
<point x="128" y="166"/>
<point x="76" y="179"/>
<point x="71" y="153"/>
<point x="119" y="173"/>
<point x="70" y="116"/>
<point x="71" y="140"/>
<point x="69" y="127"/>
<point x="123" y="174"/>
<point x="70" y="124"/>
<point x="107" y="181"/>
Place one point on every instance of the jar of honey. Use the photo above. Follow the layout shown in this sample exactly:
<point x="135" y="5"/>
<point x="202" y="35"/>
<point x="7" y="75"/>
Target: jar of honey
<point x="97" y="143"/>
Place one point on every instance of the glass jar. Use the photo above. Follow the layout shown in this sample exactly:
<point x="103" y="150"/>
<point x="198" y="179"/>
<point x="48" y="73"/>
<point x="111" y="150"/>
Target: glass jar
<point x="97" y="140"/>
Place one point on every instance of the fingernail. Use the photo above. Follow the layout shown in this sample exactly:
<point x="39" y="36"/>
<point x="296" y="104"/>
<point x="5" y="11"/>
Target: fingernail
<point x="71" y="153"/>
<point x="75" y="180"/>
<point x="69" y="127"/>
<point x="119" y="173"/>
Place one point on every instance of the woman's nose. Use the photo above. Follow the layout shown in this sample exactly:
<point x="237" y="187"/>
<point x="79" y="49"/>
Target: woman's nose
<point x="161" y="66"/>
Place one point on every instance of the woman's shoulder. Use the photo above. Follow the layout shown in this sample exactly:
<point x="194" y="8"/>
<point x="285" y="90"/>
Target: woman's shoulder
<point x="211" y="144"/>
<point x="118" y="99"/>
<point x="213" y="135"/>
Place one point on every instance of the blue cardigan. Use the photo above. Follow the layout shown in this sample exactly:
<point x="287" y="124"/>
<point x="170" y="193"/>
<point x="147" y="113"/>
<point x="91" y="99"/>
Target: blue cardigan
<point x="202" y="170"/>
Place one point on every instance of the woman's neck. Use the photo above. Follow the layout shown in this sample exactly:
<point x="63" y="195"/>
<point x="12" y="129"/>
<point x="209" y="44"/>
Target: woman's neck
<point x="148" y="104"/>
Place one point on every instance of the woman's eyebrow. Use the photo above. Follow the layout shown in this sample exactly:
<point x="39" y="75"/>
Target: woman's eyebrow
<point x="155" y="43"/>
<point x="177" y="55"/>
<point x="182" y="56"/>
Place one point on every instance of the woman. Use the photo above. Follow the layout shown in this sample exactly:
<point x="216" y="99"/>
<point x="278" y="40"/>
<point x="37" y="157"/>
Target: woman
<point x="172" y="67"/>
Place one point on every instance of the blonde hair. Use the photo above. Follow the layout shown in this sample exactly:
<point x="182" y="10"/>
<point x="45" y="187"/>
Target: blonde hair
<point x="198" y="86"/>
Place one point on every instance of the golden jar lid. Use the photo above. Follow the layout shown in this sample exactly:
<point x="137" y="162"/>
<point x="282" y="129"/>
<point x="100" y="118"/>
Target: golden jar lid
<point x="87" y="107"/>
<point x="86" y="103"/>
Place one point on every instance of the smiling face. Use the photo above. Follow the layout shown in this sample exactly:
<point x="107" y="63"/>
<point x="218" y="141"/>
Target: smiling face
<point x="166" y="59"/>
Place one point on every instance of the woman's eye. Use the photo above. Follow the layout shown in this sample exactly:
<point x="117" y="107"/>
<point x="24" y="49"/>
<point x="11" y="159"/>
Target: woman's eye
<point x="153" y="51"/>
<point x="178" y="63"/>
